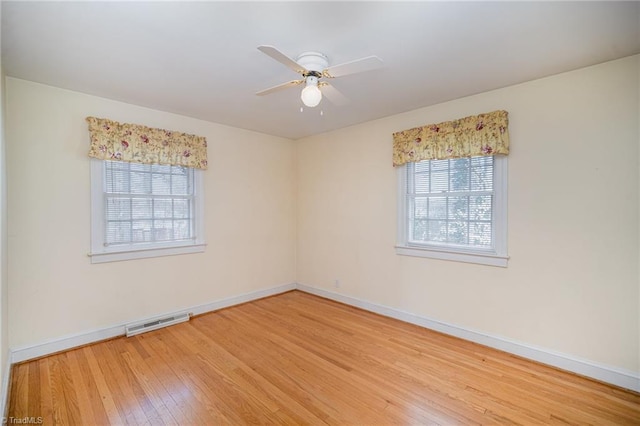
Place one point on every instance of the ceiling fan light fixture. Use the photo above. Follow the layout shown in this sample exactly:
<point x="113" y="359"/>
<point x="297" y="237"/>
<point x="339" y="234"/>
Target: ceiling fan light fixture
<point x="311" y="94"/>
<point x="313" y="66"/>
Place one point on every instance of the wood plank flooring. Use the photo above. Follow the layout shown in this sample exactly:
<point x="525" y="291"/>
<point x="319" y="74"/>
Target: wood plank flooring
<point x="300" y="359"/>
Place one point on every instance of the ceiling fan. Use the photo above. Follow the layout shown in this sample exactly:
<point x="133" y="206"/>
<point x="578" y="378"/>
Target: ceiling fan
<point x="313" y="66"/>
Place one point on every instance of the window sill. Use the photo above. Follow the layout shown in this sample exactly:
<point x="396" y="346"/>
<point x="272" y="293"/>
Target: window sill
<point x="117" y="256"/>
<point x="456" y="256"/>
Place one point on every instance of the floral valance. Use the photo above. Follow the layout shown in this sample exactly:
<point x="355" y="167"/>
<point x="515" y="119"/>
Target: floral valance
<point x="111" y="140"/>
<point x="484" y="134"/>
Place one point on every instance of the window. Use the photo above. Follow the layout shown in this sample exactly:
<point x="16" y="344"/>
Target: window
<point x="144" y="210"/>
<point x="454" y="209"/>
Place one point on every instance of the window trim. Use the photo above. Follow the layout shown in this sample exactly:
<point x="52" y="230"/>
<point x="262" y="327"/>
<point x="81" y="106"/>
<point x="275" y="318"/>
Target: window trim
<point x="492" y="257"/>
<point x="100" y="253"/>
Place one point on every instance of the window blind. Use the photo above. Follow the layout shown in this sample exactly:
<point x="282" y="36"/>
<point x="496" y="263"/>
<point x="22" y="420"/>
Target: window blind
<point x="450" y="202"/>
<point x="147" y="203"/>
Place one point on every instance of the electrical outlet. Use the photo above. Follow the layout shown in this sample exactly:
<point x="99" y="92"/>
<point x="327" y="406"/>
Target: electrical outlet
<point x="336" y="283"/>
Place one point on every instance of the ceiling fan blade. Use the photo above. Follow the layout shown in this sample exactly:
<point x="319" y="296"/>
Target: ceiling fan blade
<point x="280" y="87"/>
<point x="359" y="65"/>
<point x="282" y="58"/>
<point x="333" y="94"/>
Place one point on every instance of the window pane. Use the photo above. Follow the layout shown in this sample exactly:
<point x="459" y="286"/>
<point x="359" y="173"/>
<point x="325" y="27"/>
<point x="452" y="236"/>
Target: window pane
<point x="140" y="183"/>
<point x="458" y="207"/>
<point x="181" y="209"/>
<point x="420" y="230"/>
<point x="459" y="177"/>
<point x="482" y="174"/>
<point x="162" y="230"/>
<point x="154" y="203"/>
<point x="480" y="207"/>
<point x="181" y="229"/>
<point x="138" y="167"/>
<point x="162" y="208"/>
<point x="141" y="208"/>
<point x="437" y="230"/>
<point x="179" y="170"/>
<point x="118" y="232"/>
<point x="440" y="181"/>
<point x="141" y="231"/>
<point x="457" y="232"/>
<point x="161" y="184"/>
<point x="117" y="165"/>
<point x="480" y="234"/>
<point x="179" y="184"/>
<point x="422" y="166"/>
<point x="439" y="165"/>
<point x="438" y="208"/>
<point x="443" y="215"/>
<point x="422" y="183"/>
<point x="118" y="209"/>
<point x="160" y="168"/>
<point x="420" y="208"/>
<point x="116" y="181"/>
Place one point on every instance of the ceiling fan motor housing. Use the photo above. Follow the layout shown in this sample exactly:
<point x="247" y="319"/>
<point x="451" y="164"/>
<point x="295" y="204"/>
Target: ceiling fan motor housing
<point x="314" y="62"/>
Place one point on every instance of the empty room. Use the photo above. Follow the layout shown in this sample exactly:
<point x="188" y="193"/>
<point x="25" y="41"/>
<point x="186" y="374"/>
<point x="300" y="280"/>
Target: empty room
<point x="346" y="213"/>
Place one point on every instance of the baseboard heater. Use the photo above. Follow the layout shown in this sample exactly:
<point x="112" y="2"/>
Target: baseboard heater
<point x="139" y="328"/>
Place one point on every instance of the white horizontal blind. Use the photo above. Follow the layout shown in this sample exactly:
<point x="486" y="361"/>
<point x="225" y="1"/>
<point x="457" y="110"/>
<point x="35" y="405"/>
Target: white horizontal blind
<point x="147" y="203"/>
<point x="451" y="202"/>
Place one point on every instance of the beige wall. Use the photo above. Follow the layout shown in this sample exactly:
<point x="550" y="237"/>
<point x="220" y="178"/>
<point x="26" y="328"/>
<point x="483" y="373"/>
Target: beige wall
<point x="572" y="282"/>
<point x="572" y="285"/>
<point x="250" y="220"/>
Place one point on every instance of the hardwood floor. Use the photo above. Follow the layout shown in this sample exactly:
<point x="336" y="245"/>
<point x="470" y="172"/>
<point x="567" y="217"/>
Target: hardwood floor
<point x="299" y="359"/>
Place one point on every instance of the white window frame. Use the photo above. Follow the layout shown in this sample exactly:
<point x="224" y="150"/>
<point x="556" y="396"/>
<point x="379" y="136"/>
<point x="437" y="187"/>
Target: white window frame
<point x="100" y="253"/>
<point x="497" y="256"/>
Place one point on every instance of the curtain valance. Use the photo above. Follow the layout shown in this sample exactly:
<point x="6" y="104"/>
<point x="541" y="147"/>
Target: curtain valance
<point x="111" y="140"/>
<point x="484" y="134"/>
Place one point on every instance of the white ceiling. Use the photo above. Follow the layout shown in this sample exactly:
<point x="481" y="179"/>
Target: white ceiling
<point x="200" y="59"/>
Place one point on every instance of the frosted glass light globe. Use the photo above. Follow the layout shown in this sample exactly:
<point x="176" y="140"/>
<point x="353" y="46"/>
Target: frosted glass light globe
<point x="311" y="96"/>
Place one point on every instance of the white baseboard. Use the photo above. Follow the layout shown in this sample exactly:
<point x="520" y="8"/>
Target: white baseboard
<point x="67" y="342"/>
<point x="616" y="376"/>
<point x="243" y="298"/>
<point x="608" y="374"/>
